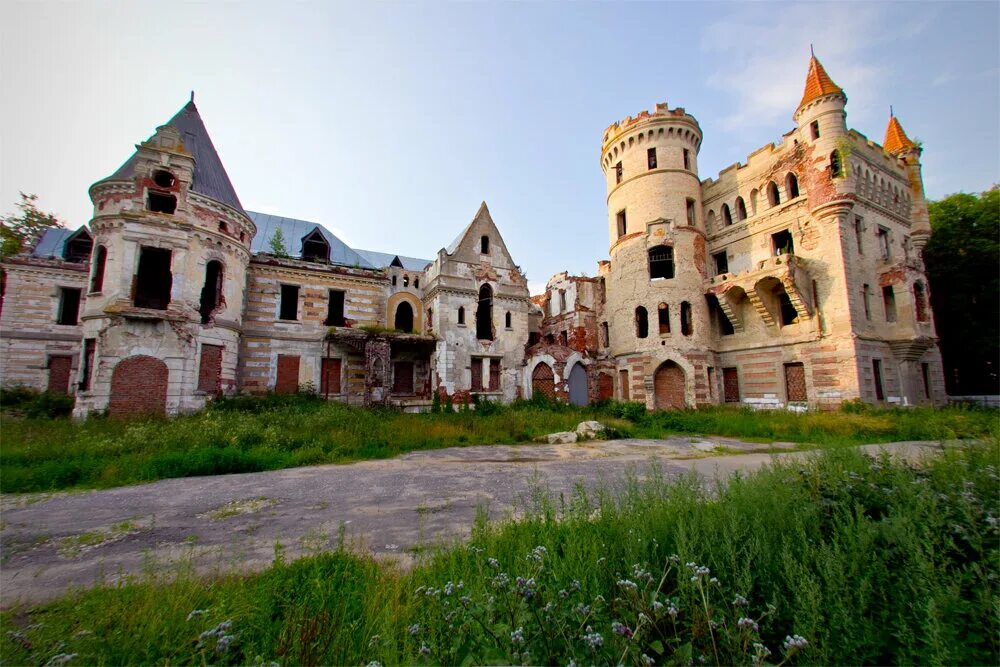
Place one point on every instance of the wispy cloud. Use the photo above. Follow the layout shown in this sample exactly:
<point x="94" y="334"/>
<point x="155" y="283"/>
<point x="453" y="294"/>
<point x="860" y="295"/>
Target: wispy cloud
<point x="761" y="52"/>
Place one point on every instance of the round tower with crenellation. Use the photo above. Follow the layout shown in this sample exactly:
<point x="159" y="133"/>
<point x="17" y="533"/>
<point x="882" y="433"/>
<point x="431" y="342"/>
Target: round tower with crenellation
<point x="657" y="314"/>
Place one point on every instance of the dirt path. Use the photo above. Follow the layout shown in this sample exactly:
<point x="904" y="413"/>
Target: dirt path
<point x="54" y="541"/>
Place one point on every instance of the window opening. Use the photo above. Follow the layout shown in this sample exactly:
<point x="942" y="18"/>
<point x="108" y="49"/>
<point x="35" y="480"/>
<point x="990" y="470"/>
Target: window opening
<point x="877" y="372"/>
<point x="920" y="301"/>
<point x="859" y="227"/>
<point x="289" y="308"/>
<point x="164" y="179"/>
<point x="792" y="186"/>
<point x="404" y="317"/>
<point x="402" y="378"/>
<point x="484" y="314"/>
<point x="691" y="217"/>
<point x="651" y="158"/>
<point x="661" y="262"/>
<point x="153" y="279"/>
<point x="788" y="313"/>
<point x="78" y="247"/>
<point x="687" y="159"/>
<point x="406" y="281"/>
<point x="889" y="303"/>
<point x="394" y="281"/>
<point x="562" y="301"/>
<point x="727" y="216"/>
<point x="836" y="166"/>
<point x="315" y="247"/>
<point x="477" y="374"/>
<point x="663" y="317"/>
<point x="725" y="327"/>
<point x="87" y="372"/>
<point x="100" y="260"/>
<point x="160" y="202"/>
<point x="622" y="228"/>
<point x="814" y="129"/>
<point x="484" y="245"/>
<point x="721" y="263"/>
<point x="211" y="292"/>
<point x="564" y="339"/>
<point x="641" y="322"/>
<point x="883" y="242"/>
<point x="429" y="323"/>
<point x="507" y="320"/>
<point x="925" y="374"/>
<point x="782" y="243"/>
<point x="69" y="306"/>
<point x="461" y="314"/>
<point x="416" y="283"/>
<point x="605" y="335"/>
<point x="335" y="308"/>
<point x="210" y="368"/>
<point x="618" y="173"/>
<point x="773" y="198"/>
<point x="687" y="326"/>
<point x="865" y="299"/>
<point x="741" y="209"/>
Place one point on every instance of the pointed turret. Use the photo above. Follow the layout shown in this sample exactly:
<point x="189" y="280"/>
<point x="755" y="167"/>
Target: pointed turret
<point x="818" y="83"/>
<point x="896" y="141"/>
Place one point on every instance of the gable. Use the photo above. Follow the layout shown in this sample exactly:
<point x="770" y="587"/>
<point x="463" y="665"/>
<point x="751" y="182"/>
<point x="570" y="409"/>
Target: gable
<point x="467" y="247"/>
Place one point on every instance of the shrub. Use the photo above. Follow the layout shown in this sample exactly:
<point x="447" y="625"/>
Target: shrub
<point x="35" y="404"/>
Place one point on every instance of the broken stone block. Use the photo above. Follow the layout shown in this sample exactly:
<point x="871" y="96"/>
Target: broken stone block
<point x="561" y="438"/>
<point x="589" y="429"/>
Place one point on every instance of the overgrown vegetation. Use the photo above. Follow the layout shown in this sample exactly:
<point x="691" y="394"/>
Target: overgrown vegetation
<point x="255" y="433"/>
<point x="842" y="560"/>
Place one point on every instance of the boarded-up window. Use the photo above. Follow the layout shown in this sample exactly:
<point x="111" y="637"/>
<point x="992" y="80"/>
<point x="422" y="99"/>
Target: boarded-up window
<point x="330" y="376"/>
<point x="605" y="387"/>
<point x="795" y="382"/>
<point x="623" y="379"/>
<point x="494" y="375"/>
<point x="402" y="378"/>
<point x="287" y="381"/>
<point x="59" y="373"/>
<point x="731" y="385"/>
<point x="542" y="382"/>
<point x="477" y="373"/>
<point x="210" y="369"/>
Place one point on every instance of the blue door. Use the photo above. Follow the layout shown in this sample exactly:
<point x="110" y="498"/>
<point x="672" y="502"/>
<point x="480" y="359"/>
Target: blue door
<point x="578" y="385"/>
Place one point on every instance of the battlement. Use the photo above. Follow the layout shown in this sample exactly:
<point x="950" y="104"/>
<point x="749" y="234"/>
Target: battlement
<point x="661" y="110"/>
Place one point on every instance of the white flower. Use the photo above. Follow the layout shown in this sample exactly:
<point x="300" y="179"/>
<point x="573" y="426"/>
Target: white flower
<point x="795" y="641"/>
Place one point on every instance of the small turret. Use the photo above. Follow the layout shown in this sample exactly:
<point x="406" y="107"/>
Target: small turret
<point x="822" y="106"/>
<point x="896" y="143"/>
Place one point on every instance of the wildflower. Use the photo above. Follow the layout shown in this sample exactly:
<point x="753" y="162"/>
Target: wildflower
<point x="740" y="601"/>
<point x="646" y="660"/>
<point x="563" y="594"/>
<point x="549" y="608"/>
<point x="517" y="637"/>
<point x="526" y="587"/>
<point x="640" y="574"/>
<point x="601" y="560"/>
<point x="374" y="663"/>
<point x="657" y="605"/>
<point x="196" y="612"/>
<point x="465" y="600"/>
<point x="572" y="663"/>
<point x="538" y="553"/>
<point x="414" y="629"/>
<point x="622" y="630"/>
<point x="582" y="609"/>
<point x="672" y="610"/>
<point x="593" y="639"/>
<point x="747" y="623"/>
<point x="795" y="642"/>
<point x="714" y="580"/>
<point x="222" y="646"/>
<point x="374" y="640"/>
<point x="599" y="599"/>
<point x="761" y="653"/>
<point x="501" y="580"/>
<point x="449" y="588"/>
<point x="627" y="583"/>
<point x="643" y="618"/>
<point x="574" y="585"/>
<point x="425" y="649"/>
<point x="493" y="562"/>
<point x="60" y="659"/>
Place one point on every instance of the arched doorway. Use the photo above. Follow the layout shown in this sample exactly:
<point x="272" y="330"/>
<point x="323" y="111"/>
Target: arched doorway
<point x="605" y="387"/>
<point x="668" y="387"/>
<point x="542" y="382"/>
<point x="404" y="317"/>
<point x="484" y="314"/>
<point x="578" y="386"/>
<point x="138" y="386"/>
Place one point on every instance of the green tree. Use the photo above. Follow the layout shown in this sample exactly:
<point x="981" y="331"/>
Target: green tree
<point x="962" y="267"/>
<point x="18" y="230"/>
<point x="277" y="243"/>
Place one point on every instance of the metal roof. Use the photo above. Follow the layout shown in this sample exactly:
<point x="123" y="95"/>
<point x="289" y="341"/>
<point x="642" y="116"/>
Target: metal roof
<point x="383" y="259"/>
<point x="294" y="231"/>
<point x="52" y="242"/>
<point x="210" y="177"/>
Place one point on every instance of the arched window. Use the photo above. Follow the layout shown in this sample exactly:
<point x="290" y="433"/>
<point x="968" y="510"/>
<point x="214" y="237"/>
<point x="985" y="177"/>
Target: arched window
<point x="920" y="301"/>
<point x="663" y="316"/>
<point x="753" y="202"/>
<point x="773" y="199"/>
<point x="461" y="314"/>
<point x="507" y="320"/>
<point x="661" y="262"/>
<point x="836" y="166"/>
<point x="484" y="314"/>
<point x="741" y="210"/>
<point x="641" y="322"/>
<point x="100" y="260"/>
<point x="416" y="283"/>
<point x="211" y="293"/>
<point x="687" y="326"/>
<point x="605" y="334"/>
<point x="710" y="221"/>
<point x="394" y="281"/>
<point x="791" y="186"/>
<point x="404" y="317"/>
<point x="406" y="281"/>
<point x="727" y="217"/>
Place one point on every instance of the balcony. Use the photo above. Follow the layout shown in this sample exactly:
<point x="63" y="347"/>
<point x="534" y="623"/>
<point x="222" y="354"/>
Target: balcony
<point x="778" y="288"/>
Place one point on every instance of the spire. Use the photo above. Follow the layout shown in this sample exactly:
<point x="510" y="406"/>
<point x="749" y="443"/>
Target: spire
<point x="896" y="141"/>
<point x="818" y="82"/>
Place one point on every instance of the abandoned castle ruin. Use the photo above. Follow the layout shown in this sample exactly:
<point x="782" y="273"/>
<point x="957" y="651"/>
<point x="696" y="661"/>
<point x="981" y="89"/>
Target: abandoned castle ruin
<point x="794" y="280"/>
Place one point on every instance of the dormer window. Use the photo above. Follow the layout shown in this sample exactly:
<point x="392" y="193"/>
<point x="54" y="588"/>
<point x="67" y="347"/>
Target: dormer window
<point x="164" y="179"/>
<point x="484" y="245"/>
<point x="78" y="246"/>
<point x="161" y="202"/>
<point x="315" y="247"/>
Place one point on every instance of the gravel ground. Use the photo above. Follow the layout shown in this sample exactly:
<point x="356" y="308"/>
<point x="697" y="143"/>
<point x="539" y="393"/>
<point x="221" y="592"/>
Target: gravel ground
<point x="392" y="508"/>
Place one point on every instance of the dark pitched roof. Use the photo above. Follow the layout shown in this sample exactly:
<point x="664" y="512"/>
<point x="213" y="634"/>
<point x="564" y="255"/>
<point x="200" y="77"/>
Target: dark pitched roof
<point x="294" y="231"/>
<point x="385" y="259"/>
<point x="51" y="242"/>
<point x="210" y="177"/>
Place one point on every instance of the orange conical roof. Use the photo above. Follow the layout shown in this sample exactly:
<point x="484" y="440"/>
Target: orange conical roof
<point x="896" y="140"/>
<point x="818" y="83"/>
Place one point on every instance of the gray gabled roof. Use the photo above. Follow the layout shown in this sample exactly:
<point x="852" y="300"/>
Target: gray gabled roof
<point x="483" y="211"/>
<point x="383" y="260"/>
<point x="52" y="242"/>
<point x="294" y="231"/>
<point x="210" y="177"/>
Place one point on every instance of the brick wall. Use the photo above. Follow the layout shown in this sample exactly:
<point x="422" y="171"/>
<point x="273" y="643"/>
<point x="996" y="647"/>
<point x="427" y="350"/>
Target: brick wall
<point x="138" y="386"/>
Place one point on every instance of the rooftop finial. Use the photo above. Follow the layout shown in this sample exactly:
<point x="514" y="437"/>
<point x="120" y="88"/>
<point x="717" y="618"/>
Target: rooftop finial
<point x="192" y="96"/>
<point x="891" y="114"/>
<point x="811" y="52"/>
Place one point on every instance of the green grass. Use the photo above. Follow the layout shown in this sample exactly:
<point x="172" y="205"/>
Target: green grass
<point x="868" y="561"/>
<point x="254" y="434"/>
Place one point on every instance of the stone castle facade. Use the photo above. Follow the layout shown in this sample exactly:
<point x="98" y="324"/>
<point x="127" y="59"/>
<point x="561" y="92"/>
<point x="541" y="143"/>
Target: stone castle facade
<point x="794" y="280"/>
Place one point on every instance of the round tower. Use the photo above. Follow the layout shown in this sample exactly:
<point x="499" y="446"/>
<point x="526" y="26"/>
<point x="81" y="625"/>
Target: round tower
<point x="168" y="271"/>
<point x="657" y="312"/>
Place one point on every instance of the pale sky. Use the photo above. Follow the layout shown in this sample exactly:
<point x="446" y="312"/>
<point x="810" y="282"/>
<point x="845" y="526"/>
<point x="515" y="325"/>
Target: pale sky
<point x="390" y="122"/>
